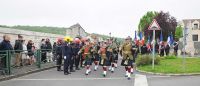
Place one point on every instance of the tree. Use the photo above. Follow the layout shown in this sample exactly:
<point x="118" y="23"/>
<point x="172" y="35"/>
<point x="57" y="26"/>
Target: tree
<point x="146" y="20"/>
<point x="179" y="32"/>
<point x="167" y="23"/>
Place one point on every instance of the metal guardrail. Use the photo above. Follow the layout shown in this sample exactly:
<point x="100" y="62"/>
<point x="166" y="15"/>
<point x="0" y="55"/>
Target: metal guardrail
<point x="9" y="58"/>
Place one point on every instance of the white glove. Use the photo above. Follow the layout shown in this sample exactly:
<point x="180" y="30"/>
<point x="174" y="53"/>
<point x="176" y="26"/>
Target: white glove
<point x="65" y="57"/>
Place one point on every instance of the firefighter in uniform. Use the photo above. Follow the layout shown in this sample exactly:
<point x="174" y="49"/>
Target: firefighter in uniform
<point x="67" y="54"/>
<point x="127" y="60"/>
<point x="58" y="52"/>
<point x="76" y="49"/>
<point x="87" y="50"/>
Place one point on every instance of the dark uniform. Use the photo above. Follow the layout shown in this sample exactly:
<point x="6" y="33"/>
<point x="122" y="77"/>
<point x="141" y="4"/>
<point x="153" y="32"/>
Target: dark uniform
<point x="75" y="49"/>
<point x="67" y="54"/>
<point x="175" y="48"/>
<point x="58" y="54"/>
<point x="144" y="49"/>
<point x="167" y="48"/>
<point x="162" y="50"/>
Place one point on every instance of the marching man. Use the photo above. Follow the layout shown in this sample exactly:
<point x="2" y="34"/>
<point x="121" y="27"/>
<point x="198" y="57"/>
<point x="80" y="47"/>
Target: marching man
<point x="104" y="60"/>
<point x="127" y="60"/>
<point x="86" y="50"/>
<point x="95" y="50"/>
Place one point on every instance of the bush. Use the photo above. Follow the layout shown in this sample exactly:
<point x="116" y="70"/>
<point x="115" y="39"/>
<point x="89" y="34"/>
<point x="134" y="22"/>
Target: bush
<point x="146" y="60"/>
<point x="170" y="57"/>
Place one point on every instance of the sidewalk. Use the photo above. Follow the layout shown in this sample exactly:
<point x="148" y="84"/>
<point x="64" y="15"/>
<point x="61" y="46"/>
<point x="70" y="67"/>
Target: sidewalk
<point x="17" y="72"/>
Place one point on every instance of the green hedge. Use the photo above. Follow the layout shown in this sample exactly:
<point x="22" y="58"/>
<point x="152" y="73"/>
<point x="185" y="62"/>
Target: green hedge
<point x="146" y="60"/>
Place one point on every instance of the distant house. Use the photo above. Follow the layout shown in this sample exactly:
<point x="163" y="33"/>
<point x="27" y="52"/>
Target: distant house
<point x="76" y="30"/>
<point x="193" y="38"/>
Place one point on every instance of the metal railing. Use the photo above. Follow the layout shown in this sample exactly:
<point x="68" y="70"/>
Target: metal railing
<point x="8" y="60"/>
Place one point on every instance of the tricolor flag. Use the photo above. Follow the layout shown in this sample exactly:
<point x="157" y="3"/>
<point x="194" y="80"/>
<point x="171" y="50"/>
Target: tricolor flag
<point x="170" y="39"/>
<point x="161" y="37"/>
<point x="141" y="39"/>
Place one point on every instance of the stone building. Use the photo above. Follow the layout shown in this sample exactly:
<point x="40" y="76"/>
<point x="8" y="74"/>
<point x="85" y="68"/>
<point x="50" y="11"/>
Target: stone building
<point x="193" y="37"/>
<point x="76" y="30"/>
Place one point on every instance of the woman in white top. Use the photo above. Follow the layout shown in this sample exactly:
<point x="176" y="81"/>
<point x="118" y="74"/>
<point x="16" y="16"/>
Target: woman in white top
<point x="25" y="58"/>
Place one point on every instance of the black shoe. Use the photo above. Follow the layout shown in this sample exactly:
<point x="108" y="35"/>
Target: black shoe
<point x="78" y="69"/>
<point x="72" y="70"/>
<point x="66" y="73"/>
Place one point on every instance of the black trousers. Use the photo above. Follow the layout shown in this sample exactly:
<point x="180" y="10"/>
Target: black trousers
<point x="44" y="57"/>
<point x="66" y="64"/>
<point x="71" y="63"/>
<point x="77" y="61"/>
<point x="59" y="61"/>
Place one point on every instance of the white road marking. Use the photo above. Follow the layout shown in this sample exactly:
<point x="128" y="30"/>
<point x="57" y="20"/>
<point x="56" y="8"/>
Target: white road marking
<point x="140" y="80"/>
<point x="54" y="79"/>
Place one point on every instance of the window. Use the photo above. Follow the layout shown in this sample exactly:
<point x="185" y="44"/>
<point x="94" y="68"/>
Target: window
<point x="196" y="26"/>
<point x="195" y="37"/>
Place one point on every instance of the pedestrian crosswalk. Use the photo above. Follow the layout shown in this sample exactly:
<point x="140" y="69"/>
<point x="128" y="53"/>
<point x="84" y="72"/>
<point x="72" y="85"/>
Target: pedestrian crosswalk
<point x="140" y="80"/>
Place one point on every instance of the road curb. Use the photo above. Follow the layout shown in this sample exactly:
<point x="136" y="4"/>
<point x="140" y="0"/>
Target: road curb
<point x="29" y="72"/>
<point x="163" y="74"/>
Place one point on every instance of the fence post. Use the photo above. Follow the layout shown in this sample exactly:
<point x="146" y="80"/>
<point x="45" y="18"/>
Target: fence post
<point x="7" y="66"/>
<point x="38" y="58"/>
<point x="9" y="62"/>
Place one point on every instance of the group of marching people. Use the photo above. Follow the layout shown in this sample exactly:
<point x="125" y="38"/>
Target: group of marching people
<point x="82" y="52"/>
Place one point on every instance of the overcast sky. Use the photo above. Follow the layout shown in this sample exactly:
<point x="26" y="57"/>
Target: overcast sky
<point x="120" y="17"/>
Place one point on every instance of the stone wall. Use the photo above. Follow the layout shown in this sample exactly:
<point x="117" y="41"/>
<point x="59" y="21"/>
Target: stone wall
<point x="28" y="35"/>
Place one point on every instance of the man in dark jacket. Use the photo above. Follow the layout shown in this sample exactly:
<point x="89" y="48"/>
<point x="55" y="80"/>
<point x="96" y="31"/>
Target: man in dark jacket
<point x="77" y="58"/>
<point x="67" y="55"/>
<point x="59" y="54"/>
<point x="4" y="45"/>
<point x="167" y="49"/>
<point x="54" y="51"/>
<point x="18" y="49"/>
<point x="43" y="50"/>
<point x="49" y="51"/>
<point x="175" y="45"/>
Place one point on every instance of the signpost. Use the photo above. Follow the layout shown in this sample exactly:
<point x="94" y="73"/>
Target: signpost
<point x="154" y="26"/>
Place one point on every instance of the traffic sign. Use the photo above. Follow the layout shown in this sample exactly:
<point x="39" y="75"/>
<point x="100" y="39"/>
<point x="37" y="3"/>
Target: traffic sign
<point x="154" y="25"/>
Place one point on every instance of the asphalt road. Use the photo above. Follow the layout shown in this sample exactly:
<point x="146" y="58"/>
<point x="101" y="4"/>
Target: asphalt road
<point x="54" y="78"/>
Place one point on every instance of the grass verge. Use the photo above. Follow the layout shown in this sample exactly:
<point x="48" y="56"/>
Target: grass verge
<point x="174" y="66"/>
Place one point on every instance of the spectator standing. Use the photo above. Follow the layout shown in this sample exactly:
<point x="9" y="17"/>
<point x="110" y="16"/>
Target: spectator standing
<point x="25" y="58"/>
<point x="30" y="48"/>
<point x="54" y="51"/>
<point x="175" y="45"/>
<point x="4" y="45"/>
<point x="43" y="51"/>
<point x="18" y="49"/>
<point x="49" y="51"/>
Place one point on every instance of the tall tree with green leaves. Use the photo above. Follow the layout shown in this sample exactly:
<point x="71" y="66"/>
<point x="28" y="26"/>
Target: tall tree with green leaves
<point x="167" y="23"/>
<point x="146" y="20"/>
<point x="179" y="32"/>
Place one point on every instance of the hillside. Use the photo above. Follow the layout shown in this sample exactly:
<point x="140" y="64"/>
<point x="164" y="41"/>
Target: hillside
<point x="53" y="30"/>
<point x="44" y="29"/>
